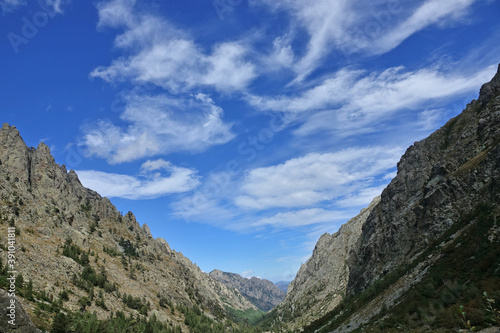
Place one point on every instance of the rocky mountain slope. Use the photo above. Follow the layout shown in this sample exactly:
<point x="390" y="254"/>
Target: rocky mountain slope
<point x="75" y="248"/>
<point x="427" y="251"/>
<point x="439" y="180"/>
<point x="262" y="293"/>
<point x="321" y="282"/>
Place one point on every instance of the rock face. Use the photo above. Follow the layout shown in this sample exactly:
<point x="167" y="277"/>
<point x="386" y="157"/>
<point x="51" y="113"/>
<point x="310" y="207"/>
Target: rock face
<point x="439" y="180"/>
<point x="22" y="323"/>
<point x="262" y="293"/>
<point x="446" y="192"/>
<point x="321" y="282"/>
<point x="52" y="211"/>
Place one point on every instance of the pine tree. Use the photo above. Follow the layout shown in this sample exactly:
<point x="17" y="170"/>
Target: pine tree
<point x="60" y="324"/>
<point x="29" y="291"/>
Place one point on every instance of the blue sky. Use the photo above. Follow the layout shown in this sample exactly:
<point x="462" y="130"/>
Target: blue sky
<point x="240" y="130"/>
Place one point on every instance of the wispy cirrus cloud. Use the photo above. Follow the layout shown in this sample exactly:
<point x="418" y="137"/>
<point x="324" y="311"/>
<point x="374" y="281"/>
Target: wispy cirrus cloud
<point x="319" y="191"/>
<point x="296" y="218"/>
<point x="430" y="12"/>
<point x="318" y="188"/>
<point x="377" y="97"/>
<point x="352" y="99"/>
<point x="158" y="178"/>
<point x="324" y="21"/>
<point x="340" y="26"/>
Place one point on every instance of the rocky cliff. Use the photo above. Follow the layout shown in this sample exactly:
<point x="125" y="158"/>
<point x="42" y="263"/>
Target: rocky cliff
<point x="427" y="250"/>
<point x="261" y="292"/>
<point x="321" y="282"/>
<point x="72" y="242"/>
<point x="22" y="323"/>
<point x="439" y="180"/>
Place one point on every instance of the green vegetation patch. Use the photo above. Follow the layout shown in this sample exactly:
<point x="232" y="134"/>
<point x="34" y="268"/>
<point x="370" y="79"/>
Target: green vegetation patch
<point x="247" y="317"/>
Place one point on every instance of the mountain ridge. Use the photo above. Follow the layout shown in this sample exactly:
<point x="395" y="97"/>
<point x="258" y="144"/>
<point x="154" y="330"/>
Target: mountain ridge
<point x="75" y="241"/>
<point x="438" y="188"/>
<point x="434" y="231"/>
<point x="261" y="292"/>
<point x="321" y="281"/>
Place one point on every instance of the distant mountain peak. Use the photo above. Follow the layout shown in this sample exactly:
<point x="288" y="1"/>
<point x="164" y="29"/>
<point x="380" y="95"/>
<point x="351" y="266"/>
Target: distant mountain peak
<point x="261" y="292"/>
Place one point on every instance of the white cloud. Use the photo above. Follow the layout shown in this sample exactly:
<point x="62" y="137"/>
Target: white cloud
<point x="227" y="69"/>
<point x="429" y="13"/>
<point x="428" y="119"/>
<point x="375" y="97"/>
<point x="51" y="7"/>
<point x="247" y="274"/>
<point x="371" y="27"/>
<point x="292" y="219"/>
<point x="315" y="178"/>
<point x="10" y="5"/>
<point x="153" y="165"/>
<point x="115" y="13"/>
<point x="167" y="57"/>
<point x="146" y="186"/>
<point x="317" y="190"/>
<point x="363" y="197"/>
<point x="55" y="6"/>
<point x="158" y="125"/>
<point x="325" y="21"/>
<point x="351" y="100"/>
<point x="282" y="55"/>
<point x="331" y="92"/>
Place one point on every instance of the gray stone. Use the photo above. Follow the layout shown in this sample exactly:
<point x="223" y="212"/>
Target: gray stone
<point x="22" y="322"/>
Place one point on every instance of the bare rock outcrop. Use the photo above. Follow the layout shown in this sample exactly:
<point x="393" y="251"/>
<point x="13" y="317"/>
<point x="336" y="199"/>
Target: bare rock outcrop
<point x="19" y="321"/>
<point x="321" y="282"/>
<point x="439" y="179"/>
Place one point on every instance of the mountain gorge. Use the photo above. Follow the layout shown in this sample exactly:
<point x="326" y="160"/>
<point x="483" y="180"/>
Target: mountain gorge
<point x="424" y="256"/>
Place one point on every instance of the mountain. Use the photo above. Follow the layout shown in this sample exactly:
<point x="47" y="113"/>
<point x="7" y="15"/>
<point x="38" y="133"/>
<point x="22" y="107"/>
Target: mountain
<point x="78" y="256"/>
<point x="426" y="255"/>
<point x="439" y="180"/>
<point x="283" y="285"/>
<point x="321" y="282"/>
<point x="262" y="293"/>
